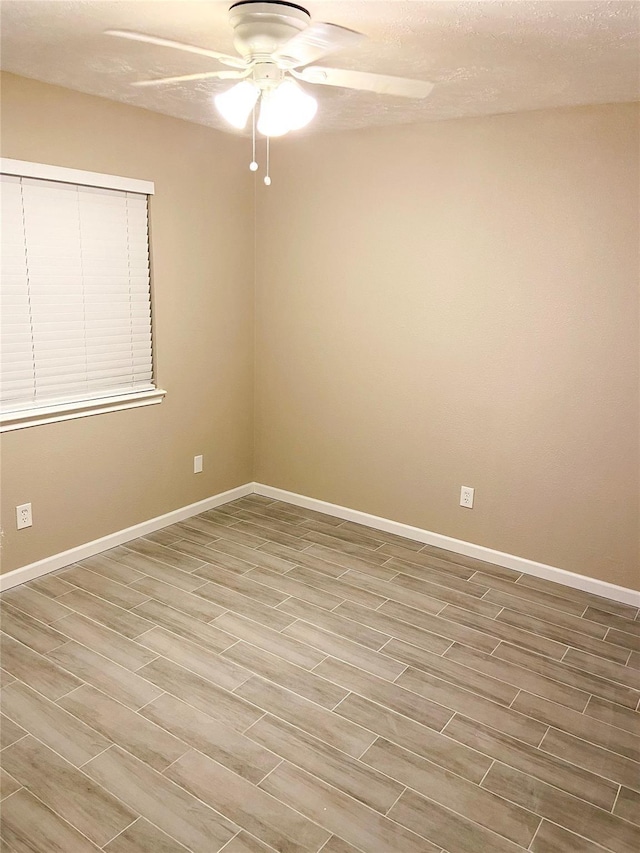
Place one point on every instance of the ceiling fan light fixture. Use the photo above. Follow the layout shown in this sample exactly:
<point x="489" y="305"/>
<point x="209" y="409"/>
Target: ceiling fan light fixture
<point x="287" y="107"/>
<point x="236" y="103"/>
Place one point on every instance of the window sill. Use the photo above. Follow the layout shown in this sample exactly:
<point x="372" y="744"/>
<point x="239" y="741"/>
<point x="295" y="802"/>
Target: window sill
<point x="78" y="409"/>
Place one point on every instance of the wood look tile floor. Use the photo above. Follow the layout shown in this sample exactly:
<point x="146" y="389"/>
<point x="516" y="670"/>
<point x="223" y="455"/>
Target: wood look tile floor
<point x="265" y="678"/>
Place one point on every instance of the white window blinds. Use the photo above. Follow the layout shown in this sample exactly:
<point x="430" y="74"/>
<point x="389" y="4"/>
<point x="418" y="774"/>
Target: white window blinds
<point x="75" y="290"/>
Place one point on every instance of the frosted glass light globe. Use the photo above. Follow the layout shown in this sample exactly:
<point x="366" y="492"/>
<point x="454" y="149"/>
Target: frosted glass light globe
<point x="287" y="107"/>
<point x="236" y="103"/>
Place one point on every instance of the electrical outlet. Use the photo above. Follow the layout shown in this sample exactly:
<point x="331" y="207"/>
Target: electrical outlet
<point x="466" y="497"/>
<point x="23" y="516"/>
<point x="197" y="464"/>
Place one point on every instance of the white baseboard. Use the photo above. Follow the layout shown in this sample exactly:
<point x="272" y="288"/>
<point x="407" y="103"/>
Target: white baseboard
<point x="459" y="546"/>
<point x="89" y="549"/>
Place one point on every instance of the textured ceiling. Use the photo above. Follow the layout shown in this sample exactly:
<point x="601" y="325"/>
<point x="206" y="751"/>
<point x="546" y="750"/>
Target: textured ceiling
<point x="485" y="56"/>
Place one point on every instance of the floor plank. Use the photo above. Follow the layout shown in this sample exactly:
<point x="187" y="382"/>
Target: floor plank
<point x="167" y="805"/>
<point x="29" y="825"/>
<point x="66" y="790"/>
<point x="248" y="806"/>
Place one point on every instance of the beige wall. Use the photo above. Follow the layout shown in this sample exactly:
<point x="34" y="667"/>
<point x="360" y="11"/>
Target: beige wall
<point x="457" y="303"/>
<point x="89" y="477"/>
<point x="437" y="305"/>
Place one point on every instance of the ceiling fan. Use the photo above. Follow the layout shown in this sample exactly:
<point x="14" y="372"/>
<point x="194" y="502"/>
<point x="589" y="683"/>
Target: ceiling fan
<point x="276" y="42"/>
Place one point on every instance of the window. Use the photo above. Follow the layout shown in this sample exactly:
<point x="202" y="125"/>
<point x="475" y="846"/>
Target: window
<point x="75" y="291"/>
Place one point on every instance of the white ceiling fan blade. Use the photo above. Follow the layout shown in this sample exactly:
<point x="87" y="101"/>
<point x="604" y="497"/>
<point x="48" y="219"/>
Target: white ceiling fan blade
<point x="185" y="78"/>
<point x="365" y="80"/>
<point x="316" y="41"/>
<point x="233" y="61"/>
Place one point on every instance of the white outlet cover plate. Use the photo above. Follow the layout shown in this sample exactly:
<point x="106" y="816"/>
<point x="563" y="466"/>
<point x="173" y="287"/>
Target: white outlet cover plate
<point x="197" y="464"/>
<point x="23" y="516"/>
<point x="466" y="497"/>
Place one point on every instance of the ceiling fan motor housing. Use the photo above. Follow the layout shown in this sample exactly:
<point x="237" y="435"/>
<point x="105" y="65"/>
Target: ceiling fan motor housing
<point x="261" y="28"/>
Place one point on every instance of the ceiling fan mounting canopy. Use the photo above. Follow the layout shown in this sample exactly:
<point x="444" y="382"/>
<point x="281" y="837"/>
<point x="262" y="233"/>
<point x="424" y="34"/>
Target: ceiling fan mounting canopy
<point x="260" y="29"/>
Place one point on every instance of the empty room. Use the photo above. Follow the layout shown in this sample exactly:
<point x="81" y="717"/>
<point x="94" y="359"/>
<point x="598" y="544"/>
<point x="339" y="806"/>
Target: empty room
<point x="320" y="426"/>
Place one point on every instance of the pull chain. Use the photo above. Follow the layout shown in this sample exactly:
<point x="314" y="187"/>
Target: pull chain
<point x="267" y="179"/>
<point x="253" y="164"/>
